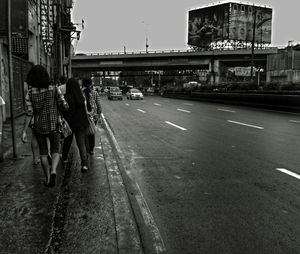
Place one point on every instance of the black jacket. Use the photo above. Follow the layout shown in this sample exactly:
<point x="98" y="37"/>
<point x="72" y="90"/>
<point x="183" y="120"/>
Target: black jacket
<point x="76" y="115"/>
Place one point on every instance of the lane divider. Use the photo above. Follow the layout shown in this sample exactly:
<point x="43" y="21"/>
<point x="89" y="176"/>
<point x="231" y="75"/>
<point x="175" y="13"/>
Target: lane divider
<point x="226" y="110"/>
<point x="294" y="121"/>
<point x="183" y="110"/>
<point x="141" y="110"/>
<point x="157" y="104"/>
<point x="288" y="172"/>
<point x="175" y="125"/>
<point x="126" y="104"/>
<point x="245" y="124"/>
<point x="188" y="104"/>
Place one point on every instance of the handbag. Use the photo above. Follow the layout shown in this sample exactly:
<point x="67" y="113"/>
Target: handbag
<point x="63" y="127"/>
<point x="61" y="102"/>
<point x="91" y="129"/>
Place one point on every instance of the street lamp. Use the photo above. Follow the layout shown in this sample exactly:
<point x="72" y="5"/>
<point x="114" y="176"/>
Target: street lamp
<point x="260" y="23"/>
<point x="146" y="34"/>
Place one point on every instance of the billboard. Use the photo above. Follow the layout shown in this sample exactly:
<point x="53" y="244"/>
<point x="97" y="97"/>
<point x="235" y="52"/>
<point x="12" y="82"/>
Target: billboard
<point x="208" y="24"/>
<point x="229" y="21"/>
<point x="242" y="19"/>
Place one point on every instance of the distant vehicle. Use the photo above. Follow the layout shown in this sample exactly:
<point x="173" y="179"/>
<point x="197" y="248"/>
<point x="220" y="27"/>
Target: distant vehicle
<point x="150" y="91"/>
<point x="192" y="85"/>
<point x="134" y="94"/>
<point x="125" y="89"/>
<point x="105" y="89"/>
<point x="114" y="93"/>
<point x="80" y="54"/>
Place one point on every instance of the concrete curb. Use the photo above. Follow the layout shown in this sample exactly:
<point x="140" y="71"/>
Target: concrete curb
<point x="128" y="236"/>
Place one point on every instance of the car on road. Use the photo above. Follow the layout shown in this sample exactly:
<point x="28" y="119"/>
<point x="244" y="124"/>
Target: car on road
<point x="150" y="91"/>
<point x="134" y="94"/>
<point x="114" y="93"/>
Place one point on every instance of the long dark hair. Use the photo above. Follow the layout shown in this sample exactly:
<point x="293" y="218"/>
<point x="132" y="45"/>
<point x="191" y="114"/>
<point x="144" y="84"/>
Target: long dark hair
<point x="87" y="83"/>
<point x="73" y="88"/>
<point x="38" y="77"/>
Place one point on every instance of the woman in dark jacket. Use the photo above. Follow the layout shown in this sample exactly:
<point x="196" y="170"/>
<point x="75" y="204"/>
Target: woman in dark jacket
<point x="77" y="119"/>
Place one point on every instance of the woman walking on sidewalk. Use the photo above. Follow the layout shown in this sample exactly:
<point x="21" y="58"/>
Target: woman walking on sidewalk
<point x="93" y="108"/>
<point x="77" y="119"/>
<point x="42" y="104"/>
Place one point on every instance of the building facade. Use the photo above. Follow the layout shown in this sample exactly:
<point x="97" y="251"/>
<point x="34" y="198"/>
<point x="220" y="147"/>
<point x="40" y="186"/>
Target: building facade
<point x="284" y="67"/>
<point x="41" y="34"/>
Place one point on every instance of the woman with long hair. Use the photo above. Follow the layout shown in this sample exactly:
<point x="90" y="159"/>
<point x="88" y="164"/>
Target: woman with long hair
<point x="93" y="106"/>
<point x="42" y="104"/>
<point x="77" y="119"/>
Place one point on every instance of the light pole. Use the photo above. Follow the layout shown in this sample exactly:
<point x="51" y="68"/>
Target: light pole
<point x="259" y="24"/>
<point x="253" y="41"/>
<point x="11" y="80"/>
<point x="146" y="35"/>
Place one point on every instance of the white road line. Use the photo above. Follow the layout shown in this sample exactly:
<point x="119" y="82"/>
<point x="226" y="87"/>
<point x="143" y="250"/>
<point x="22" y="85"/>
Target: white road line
<point x="141" y="110"/>
<point x="226" y="110"/>
<point x="177" y="177"/>
<point x="144" y="208"/>
<point x="283" y="170"/>
<point x="157" y="104"/>
<point x="126" y="104"/>
<point x="111" y="134"/>
<point x="188" y="104"/>
<point x="149" y="221"/>
<point x="175" y="125"/>
<point x="245" y="124"/>
<point x="294" y="121"/>
<point x="183" y="110"/>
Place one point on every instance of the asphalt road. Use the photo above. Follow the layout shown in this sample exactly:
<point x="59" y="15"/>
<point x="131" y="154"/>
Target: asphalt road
<point x="214" y="178"/>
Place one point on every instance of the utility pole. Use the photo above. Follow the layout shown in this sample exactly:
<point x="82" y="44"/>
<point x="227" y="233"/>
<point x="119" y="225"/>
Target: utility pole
<point x="146" y="34"/>
<point x="253" y="41"/>
<point x="11" y="81"/>
<point x="147" y="45"/>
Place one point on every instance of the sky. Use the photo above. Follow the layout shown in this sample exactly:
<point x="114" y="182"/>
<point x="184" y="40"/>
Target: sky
<point x="111" y="25"/>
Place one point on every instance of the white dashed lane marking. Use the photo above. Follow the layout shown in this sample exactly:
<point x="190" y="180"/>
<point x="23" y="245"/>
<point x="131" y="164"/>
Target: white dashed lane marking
<point x="157" y="104"/>
<point x="294" y="121"/>
<point x="283" y="170"/>
<point x="141" y="110"/>
<point x="126" y="104"/>
<point x="188" y="104"/>
<point x="175" y="125"/>
<point x="183" y="110"/>
<point x="245" y="124"/>
<point x="226" y="110"/>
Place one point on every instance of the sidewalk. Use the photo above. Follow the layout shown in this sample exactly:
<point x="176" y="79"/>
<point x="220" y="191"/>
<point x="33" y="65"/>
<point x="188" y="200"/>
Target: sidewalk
<point x="7" y="136"/>
<point x="84" y="213"/>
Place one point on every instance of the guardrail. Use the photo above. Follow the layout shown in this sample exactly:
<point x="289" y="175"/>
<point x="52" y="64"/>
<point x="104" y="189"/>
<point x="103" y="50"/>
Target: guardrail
<point x="160" y="52"/>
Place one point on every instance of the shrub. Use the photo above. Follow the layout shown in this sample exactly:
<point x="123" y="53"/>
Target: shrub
<point x="271" y="86"/>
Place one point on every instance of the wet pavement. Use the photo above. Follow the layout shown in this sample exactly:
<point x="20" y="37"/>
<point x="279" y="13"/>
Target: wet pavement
<point x="83" y="213"/>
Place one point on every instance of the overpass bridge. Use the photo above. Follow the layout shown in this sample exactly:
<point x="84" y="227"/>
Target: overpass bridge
<point x="211" y="61"/>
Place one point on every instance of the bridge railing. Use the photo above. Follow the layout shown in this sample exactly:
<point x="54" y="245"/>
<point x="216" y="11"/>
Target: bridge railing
<point x="156" y="52"/>
<point x="138" y="52"/>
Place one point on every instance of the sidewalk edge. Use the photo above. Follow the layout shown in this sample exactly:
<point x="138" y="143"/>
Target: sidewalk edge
<point x="128" y="237"/>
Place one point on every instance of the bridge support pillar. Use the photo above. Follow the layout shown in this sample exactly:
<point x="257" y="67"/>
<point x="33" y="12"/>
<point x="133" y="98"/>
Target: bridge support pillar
<point x="214" y="70"/>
